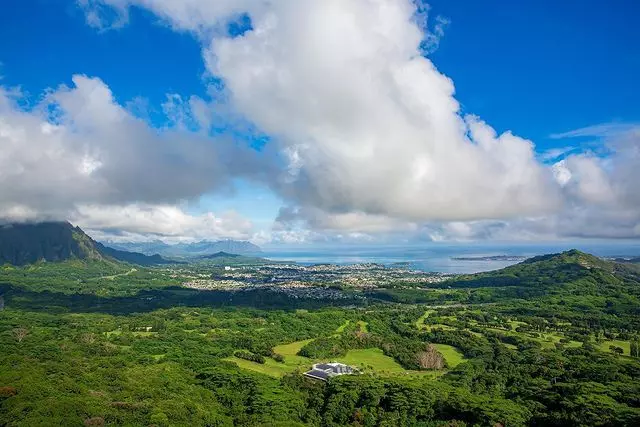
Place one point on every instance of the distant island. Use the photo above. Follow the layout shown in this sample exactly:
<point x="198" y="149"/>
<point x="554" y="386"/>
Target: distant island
<point x="515" y="258"/>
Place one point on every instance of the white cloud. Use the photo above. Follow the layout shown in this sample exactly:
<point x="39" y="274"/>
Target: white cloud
<point x="372" y="133"/>
<point x="199" y="16"/>
<point x="602" y="130"/>
<point x="80" y="155"/>
<point x="139" y="222"/>
<point x="374" y="126"/>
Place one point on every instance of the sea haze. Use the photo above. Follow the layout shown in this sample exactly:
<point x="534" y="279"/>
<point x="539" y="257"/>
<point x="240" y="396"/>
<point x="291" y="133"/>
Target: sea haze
<point x="441" y="257"/>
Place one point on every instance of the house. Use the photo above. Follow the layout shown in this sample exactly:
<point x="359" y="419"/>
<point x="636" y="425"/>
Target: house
<point x="324" y="371"/>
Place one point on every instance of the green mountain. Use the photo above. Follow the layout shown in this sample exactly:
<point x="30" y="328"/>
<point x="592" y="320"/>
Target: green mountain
<point x="49" y="241"/>
<point x="27" y="243"/>
<point x="567" y="272"/>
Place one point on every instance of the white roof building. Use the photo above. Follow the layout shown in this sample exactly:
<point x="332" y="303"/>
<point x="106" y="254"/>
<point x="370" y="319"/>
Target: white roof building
<point x="324" y="371"/>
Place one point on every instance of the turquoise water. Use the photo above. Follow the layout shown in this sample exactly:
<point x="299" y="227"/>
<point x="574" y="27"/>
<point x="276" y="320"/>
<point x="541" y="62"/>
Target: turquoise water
<point x="439" y="257"/>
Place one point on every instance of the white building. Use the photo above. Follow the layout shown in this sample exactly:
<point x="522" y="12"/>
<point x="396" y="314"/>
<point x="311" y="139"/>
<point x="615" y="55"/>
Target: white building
<point x="324" y="371"/>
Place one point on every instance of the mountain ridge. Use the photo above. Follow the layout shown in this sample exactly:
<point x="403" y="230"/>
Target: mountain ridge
<point x="188" y="250"/>
<point x="56" y="241"/>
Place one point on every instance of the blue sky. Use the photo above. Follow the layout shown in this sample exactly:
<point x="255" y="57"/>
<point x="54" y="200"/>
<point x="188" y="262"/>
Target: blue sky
<point x="534" y="68"/>
<point x="543" y="67"/>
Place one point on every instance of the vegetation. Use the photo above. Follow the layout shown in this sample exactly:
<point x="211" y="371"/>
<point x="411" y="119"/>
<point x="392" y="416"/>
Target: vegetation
<point x="552" y="341"/>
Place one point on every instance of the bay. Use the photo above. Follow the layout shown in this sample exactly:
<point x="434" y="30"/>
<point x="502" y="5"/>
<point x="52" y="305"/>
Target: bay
<point x="440" y="257"/>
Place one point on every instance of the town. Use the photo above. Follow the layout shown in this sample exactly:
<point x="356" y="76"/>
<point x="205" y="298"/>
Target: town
<point x="323" y="281"/>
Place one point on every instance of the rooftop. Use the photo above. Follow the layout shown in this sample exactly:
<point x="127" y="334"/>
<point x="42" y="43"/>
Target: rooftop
<point x="324" y="371"/>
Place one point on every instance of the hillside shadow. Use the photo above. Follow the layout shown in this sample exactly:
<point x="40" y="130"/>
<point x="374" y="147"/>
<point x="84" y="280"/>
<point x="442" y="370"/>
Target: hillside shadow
<point x="150" y="300"/>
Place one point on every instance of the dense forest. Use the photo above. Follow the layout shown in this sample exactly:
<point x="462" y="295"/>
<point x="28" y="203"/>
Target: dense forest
<point x="550" y="341"/>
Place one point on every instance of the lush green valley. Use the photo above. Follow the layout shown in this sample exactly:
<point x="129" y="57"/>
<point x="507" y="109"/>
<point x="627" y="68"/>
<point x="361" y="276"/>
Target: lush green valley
<point x="550" y="341"/>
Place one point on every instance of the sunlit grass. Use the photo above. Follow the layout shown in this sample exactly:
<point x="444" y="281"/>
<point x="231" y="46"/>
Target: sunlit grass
<point x="624" y="345"/>
<point x="452" y="355"/>
<point x="371" y="359"/>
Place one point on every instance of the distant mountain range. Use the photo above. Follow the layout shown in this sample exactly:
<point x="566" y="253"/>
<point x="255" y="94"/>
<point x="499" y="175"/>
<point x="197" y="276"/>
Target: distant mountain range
<point x="189" y="250"/>
<point x="27" y="243"/>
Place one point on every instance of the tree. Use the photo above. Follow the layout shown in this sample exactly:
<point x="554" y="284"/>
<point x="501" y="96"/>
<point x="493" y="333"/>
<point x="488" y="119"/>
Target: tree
<point x="20" y="334"/>
<point x="430" y="359"/>
<point x="633" y="347"/>
<point x="616" y="349"/>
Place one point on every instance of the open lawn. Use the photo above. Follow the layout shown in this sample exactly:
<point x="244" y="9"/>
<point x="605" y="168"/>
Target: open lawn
<point x="549" y="340"/>
<point x="546" y="339"/>
<point x="452" y="355"/>
<point x="292" y="362"/>
<point x="515" y="323"/>
<point x="421" y="319"/>
<point x="270" y="367"/>
<point x="371" y="359"/>
<point x="291" y="349"/>
<point x="290" y="353"/>
<point x="625" y="345"/>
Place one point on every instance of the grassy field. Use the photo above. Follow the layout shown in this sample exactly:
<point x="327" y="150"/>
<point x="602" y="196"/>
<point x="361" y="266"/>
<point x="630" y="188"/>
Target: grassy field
<point x="270" y="367"/>
<point x="291" y="349"/>
<point x="421" y="319"/>
<point x="290" y="353"/>
<point x="421" y="325"/>
<point x="515" y="323"/>
<point x="604" y="346"/>
<point x="546" y="339"/>
<point x="549" y="340"/>
<point x="452" y="355"/>
<point x="368" y="360"/>
<point x="363" y="326"/>
<point x="371" y="359"/>
<point x="428" y="328"/>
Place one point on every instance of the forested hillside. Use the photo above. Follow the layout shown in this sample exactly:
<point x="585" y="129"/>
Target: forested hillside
<point x="27" y="243"/>
<point x="53" y="241"/>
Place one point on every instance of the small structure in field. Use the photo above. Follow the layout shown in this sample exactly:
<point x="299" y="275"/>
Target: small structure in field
<point x="324" y="371"/>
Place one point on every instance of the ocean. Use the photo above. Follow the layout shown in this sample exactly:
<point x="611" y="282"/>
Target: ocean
<point x="438" y="257"/>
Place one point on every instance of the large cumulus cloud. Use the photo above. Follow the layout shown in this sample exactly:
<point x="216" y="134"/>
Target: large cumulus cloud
<point x="368" y="123"/>
<point x="372" y="136"/>
<point x="78" y="147"/>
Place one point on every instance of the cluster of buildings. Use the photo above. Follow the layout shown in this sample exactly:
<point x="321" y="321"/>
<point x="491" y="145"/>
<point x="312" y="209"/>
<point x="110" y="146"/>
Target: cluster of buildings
<point x="359" y="276"/>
